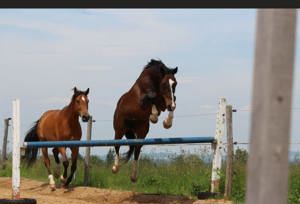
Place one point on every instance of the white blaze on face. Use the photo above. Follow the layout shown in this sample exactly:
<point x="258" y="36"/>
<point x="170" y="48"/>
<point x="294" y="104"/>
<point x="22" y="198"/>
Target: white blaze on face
<point x="171" y="82"/>
<point x="82" y="98"/>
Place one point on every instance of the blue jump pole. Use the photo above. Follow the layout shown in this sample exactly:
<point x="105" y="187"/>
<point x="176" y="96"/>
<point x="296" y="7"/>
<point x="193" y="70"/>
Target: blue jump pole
<point x="91" y="143"/>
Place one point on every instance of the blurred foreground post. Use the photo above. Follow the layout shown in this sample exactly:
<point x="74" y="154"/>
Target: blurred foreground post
<point x="267" y="179"/>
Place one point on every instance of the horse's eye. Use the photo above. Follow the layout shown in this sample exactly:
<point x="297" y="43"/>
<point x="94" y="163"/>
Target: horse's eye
<point x="78" y="101"/>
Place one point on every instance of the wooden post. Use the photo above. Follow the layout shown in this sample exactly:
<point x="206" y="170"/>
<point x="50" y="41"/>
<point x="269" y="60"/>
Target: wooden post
<point x="229" y="162"/>
<point x="88" y="153"/>
<point x="16" y="150"/>
<point x="217" y="147"/>
<point x="267" y="179"/>
<point x="4" y="145"/>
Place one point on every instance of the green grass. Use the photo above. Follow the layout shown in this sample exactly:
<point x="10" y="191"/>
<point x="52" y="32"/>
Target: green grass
<point x="181" y="175"/>
<point x="184" y="174"/>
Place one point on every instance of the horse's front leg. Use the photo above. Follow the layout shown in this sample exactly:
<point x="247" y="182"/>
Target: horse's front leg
<point x="73" y="166"/>
<point x="154" y="114"/>
<point x="47" y="164"/>
<point x="169" y="120"/>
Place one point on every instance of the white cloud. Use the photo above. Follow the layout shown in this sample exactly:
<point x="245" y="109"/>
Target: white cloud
<point x="146" y="36"/>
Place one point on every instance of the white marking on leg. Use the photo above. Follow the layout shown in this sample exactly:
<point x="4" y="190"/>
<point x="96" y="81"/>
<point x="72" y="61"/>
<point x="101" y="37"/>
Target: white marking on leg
<point x="169" y="120"/>
<point x="51" y="180"/>
<point x="117" y="160"/>
<point x="171" y="82"/>
<point x="116" y="164"/>
<point x="154" y="110"/>
<point x="154" y="114"/>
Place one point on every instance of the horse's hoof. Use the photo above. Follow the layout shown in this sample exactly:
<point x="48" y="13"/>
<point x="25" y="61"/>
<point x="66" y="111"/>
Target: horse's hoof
<point x="52" y="187"/>
<point x="133" y="179"/>
<point x="166" y="125"/>
<point x="115" y="169"/>
<point x="62" y="179"/>
<point x="153" y="118"/>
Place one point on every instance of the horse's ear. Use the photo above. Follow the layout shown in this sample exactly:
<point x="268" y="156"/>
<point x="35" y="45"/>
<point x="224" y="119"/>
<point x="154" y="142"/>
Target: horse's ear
<point x="174" y="71"/>
<point x="75" y="90"/>
<point x="87" y="91"/>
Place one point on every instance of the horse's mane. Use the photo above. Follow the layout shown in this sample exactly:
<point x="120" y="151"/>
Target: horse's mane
<point x="157" y="65"/>
<point x="154" y="63"/>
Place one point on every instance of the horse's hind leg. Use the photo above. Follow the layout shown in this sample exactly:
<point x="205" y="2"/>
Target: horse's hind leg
<point x="47" y="164"/>
<point x="73" y="166"/>
<point x="115" y="167"/>
<point x="58" y="166"/>
<point x="134" y="171"/>
<point x="141" y="133"/>
<point x="65" y="161"/>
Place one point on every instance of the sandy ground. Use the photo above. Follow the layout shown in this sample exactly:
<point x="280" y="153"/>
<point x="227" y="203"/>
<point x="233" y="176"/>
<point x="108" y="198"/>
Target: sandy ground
<point x="88" y="195"/>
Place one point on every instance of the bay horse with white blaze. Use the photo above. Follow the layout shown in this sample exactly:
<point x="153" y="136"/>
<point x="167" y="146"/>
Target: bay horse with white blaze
<point x="152" y="93"/>
<point x="59" y="125"/>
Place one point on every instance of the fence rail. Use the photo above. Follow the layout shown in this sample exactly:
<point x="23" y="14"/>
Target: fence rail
<point x="149" y="141"/>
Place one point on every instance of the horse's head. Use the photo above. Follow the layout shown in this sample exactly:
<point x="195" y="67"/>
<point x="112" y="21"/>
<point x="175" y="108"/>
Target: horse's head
<point x="81" y="103"/>
<point x="167" y="86"/>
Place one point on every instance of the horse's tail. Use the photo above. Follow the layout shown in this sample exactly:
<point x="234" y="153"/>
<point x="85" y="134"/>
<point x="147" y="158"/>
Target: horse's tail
<point x="129" y="135"/>
<point x="31" y="153"/>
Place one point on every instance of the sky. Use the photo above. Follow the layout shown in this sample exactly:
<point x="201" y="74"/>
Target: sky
<point x="45" y="53"/>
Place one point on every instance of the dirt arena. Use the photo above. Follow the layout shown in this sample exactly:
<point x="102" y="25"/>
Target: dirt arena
<point x="88" y="195"/>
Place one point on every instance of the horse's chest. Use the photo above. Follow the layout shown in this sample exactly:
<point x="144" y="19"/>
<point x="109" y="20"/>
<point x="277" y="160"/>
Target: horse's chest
<point x="70" y="132"/>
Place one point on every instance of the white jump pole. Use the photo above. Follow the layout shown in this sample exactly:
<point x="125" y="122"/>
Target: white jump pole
<point x="16" y="150"/>
<point x="218" y="146"/>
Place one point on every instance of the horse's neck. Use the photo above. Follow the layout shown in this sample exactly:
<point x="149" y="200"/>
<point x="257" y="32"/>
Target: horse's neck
<point x="148" y="80"/>
<point x="146" y="88"/>
<point x="70" y="114"/>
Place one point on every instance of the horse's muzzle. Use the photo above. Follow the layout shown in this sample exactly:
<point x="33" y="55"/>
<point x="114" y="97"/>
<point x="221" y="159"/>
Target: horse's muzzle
<point x="85" y="118"/>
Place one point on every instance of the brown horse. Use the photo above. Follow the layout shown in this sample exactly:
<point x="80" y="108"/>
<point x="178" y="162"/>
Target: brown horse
<point x="57" y="125"/>
<point x="152" y="93"/>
